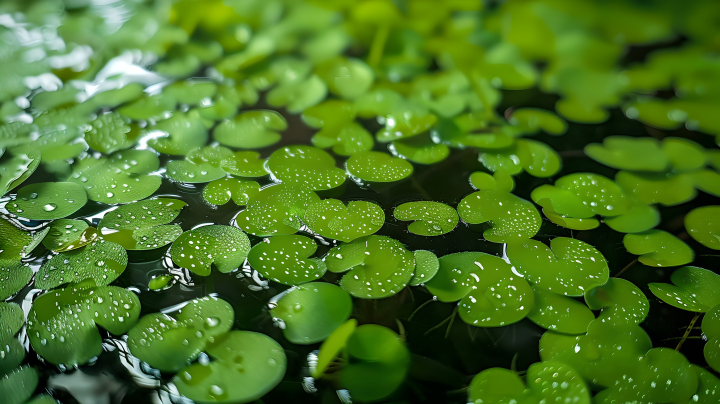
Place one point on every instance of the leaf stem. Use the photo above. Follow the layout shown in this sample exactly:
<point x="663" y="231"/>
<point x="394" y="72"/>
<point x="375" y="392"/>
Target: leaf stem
<point x="378" y="45"/>
<point x="626" y="268"/>
<point x="418" y="309"/>
<point x="687" y="331"/>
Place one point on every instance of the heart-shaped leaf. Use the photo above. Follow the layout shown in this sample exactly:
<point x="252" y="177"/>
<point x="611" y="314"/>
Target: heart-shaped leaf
<point x="537" y="158"/>
<point x="191" y="92"/>
<point x="404" y="124"/>
<point x="109" y="133"/>
<point x="629" y="153"/>
<point x="311" y="312"/>
<point x="567" y="267"/>
<point x="168" y="342"/>
<point x="224" y="246"/>
<point x="101" y="261"/>
<point x="346" y="77"/>
<point x="17" y="169"/>
<point x="496" y="386"/>
<point x="305" y="166"/>
<point x="431" y="218"/>
<point x="284" y="259"/>
<point x="14" y="275"/>
<point x="499" y="180"/>
<point x="276" y="210"/>
<point x="426" y="266"/>
<point x="48" y="200"/>
<point x="331" y="218"/>
<point x="201" y="165"/>
<point x="179" y="134"/>
<point x="155" y="107"/>
<point x="350" y="139"/>
<point x="533" y="120"/>
<point x="219" y="192"/>
<point x="693" y="289"/>
<point x="708" y="390"/>
<point x="62" y="324"/>
<point x="598" y="193"/>
<point x="375" y="166"/>
<point x="68" y="234"/>
<point x="227" y="377"/>
<point x="378" y="266"/>
<point x="638" y="218"/>
<point x="649" y="188"/>
<point x="559" y="313"/>
<point x="703" y="225"/>
<point x="620" y="302"/>
<point x="511" y="218"/>
<point x="454" y="278"/>
<point x="298" y="95"/>
<point x="143" y="225"/>
<point x="120" y="178"/>
<point x="419" y="149"/>
<point x="12" y="352"/>
<point x="244" y="164"/>
<point x="251" y="130"/>
<point x="658" y="248"/>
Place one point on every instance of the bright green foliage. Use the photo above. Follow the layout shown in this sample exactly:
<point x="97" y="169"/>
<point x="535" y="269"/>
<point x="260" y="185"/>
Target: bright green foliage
<point x="431" y="218"/>
<point x="405" y="124"/>
<point x="48" y="200"/>
<point x="67" y="234"/>
<point x="335" y="119"/>
<point x="17" y="386"/>
<point x="102" y="261"/>
<point x="711" y="330"/>
<point x="169" y="342"/>
<point x="201" y="165"/>
<point x="510" y="218"/>
<point x="559" y="313"/>
<point x="226" y="247"/>
<point x="629" y="153"/>
<point x="620" y="302"/>
<point x="305" y="167"/>
<point x="110" y="133"/>
<point x="376" y="266"/>
<point x="17" y="169"/>
<point x="499" y="180"/>
<point x="244" y="164"/>
<point x="703" y="225"/>
<point x="62" y="324"/>
<point x="346" y="77"/>
<point x="298" y="95"/>
<point x="331" y="218"/>
<point x="693" y="289"/>
<point x="276" y="210"/>
<point x="568" y="267"/>
<point x="228" y="379"/>
<point x="658" y="248"/>
<point x="191" y="92"/>
<point x="14" y="275"/>
<point x="143" y="225"/>
<point x="533" y="120"/>
<point x="311" y="312"/>
<point x="419" y="149"/>
<point x="13" y="241"/>
<point x="496" y="386"/>
<point x="221" y="191"/>
<point x="180" y="134"/>
<point x="374" y="166"/>
<point x="599" y="194"/>
<point x="12" y="319"/>
<point x="251" y="130"/>
<point x="155" y="107"/>
<point x="284" y="259"/>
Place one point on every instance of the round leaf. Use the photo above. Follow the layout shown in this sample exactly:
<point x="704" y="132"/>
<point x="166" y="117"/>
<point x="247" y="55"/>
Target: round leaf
<point x="143" y="225"/>
<point x="375" y="166"/>
<point x="284" y="259"/>
<point x="431" y="218"/>
<point x="658" y="248"/>
<point x="251" y="130"/>
<point x="224" y="246"/>
<point x="331" y="218"/>
<point x="102" y="261"/>
<point x="511" y="218"/>
<point x="48" y="200"/>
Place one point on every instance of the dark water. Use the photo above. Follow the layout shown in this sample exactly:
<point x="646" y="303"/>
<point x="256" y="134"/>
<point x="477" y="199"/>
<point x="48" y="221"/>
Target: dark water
<point x="444" y="358"/>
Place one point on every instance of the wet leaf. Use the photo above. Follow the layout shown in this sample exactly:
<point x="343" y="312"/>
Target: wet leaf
<point x="251" y="130"/>
<point x="620" y="302"/>
<point x="533" y="120"/>
<point x="244" y="164"/>
<point x="431" y="218"/>
<point x="16" y="170"/>
<point x="703" y="225"/>
<point x="559" y="313"/>
<point x="142" y="225"/>
<point x="331" y="218"/>
<point x="511" y="218"/>
<point x="226" y="247"/>
<point x="201" y="165"/>
<point x="17" y="386"/>
<point x="276" y="210"/>
<point x="180" y="134"/>
<point x="221" y="191"/>
<point x="499" y="180"/>
<point x="693" y="289"/>
<point x="110" y="133"/>
<point x="68" y="234"/>
<point x="48" y="200"/>
<point x="12" y="352"/>
<point x="101" y="261"/>
<point x="426" y="266"/>
<point x="13" y="241"/>
<point x="284" y="259"/>
<point x="658" y="248"/>
<point x="378" y="167"/>
<point x="629" y="153"/>
<point x="496" y="386"/>
<point x="305" y="166"/>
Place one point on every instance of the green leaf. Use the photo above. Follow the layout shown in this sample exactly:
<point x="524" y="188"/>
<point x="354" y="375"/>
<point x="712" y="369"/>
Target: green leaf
<point x="120" y="178"/>
<point x="533" y="120"/>
<point x="629" y="153"/>
<point x="426" y="266"/>
<point x="333" y="345"/>
<point x="431" y="218"/>
<point x="499" y="180"/>
<point x="219" y="192"/>
<point x="419" y="149"/>
<point x="62" y="324"/>
<point x="67" y="234"/>
<point x="346" y="77"/>
<point x="638" y="218"/>
<point x="496" y="386"/>
<point x="143" y="225"/>
<point x="244" y="164"/>
<point x="511" y="218"/>
<point x="224" y="246"/>
<point x="559" y="313"/>
<point x="598" y="193"/>
<point x="708" y="390"/>
<point x="201" y="165"/>
<point x="620" y="302"/>
<point x="658" y="248"/>
<point x="13" y="241"/>
<point x="170" y="342"/>
<point x="251" y="130"/>
<point x="276" y="209"/>
<point x="554" y="381"/>
<point x="191" y="92"/>
<point x="567" y="267"/>
<point x="17" y="386"/>
<point x="331" y="218"/>
<point x="404" y="124"/>
<point x="305" y="166"/>
<point x="101" y="261"/>
<point x="537" y="158"/>
<point x="109" y="133"/>
<point x="693" y="289"/>
<point x="298" y="95"/>
<point x="17" y="169"/>
<point x="375" y="166"/>
<point x="378" y="266"/>
<point x="228" y="379"/>
<point x="155" y="107"/>
<point x="311" y="312"/>
<point x="684" y="155"/>
<point x="48" y="200"/>
<point x="284" y="259"/>
<point x="703" y="225"/>
<point x="180" y="134"/>
<point x="649" y="188"/>
<point x="12" y="352"/>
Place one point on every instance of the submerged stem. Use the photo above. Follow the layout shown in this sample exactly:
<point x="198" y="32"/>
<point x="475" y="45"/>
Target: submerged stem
<point x="418" y="309"/>
<point x="687" y="331"/>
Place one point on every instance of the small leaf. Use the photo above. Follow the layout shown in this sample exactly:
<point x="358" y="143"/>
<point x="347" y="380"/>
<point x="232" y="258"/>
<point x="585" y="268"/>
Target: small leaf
<point x="48" y="200"/>
<point x="511" y="218"/>
<point x="17" y="386"/>
<point x="620" y="302"/>
<point x="201" y="165"/>
<point x="532" y="120"/>
<point x="629" y="153"/>
<point x="346" y="77"/>
<point x="102" y="261"/>
<point x="703" y="225"/>
<point x="305" y="166"/>
<point x="67" y="234"/>
<point x="419" y="149"/>
<point x="431" y="218"/>
<point x="12" y="352"/>
<point x="298" y="95"/>
<point x="219" y="192"/>
<point x="180" y="134"/>
<point x="13" y="241"/>
<point x="276" y="209"/>
<point x="109" y="133"/>
<point x="331" y="218"/>
<point x="555" y="381"/>
<point x="598" y="193"/>
<point x="251" y="130"/>
<point x="650" y="188"/>
<point x="405" y="124"/>
<point x="244" y="164"/>
<point x="496" y="386"/>
<point x="658" y="248"/>
<point x="375" y="166"/>
<point x="560" y="313"/>
<point x="499" y="180"/>
<point x="16" y="170"/>
<point x="224" y="246"/>
<point x="694" y="289"/>
<point x="142" y="225"/>
<point x="284" y="259"/>
<point x="426" y="266"/>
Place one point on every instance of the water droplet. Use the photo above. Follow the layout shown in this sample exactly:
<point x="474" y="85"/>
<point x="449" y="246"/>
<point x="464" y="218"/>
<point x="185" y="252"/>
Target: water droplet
<point x="49" y="207"/>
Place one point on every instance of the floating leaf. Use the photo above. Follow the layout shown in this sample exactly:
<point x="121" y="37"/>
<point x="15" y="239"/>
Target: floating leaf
<point x="305" y="166"/>
<point x="17" y="169"/>
<point x="620" y="302"/>
<point x="48" y="200"/>
<point x="17" y="386"/>
<point x="191" y="92"/>
<point x="170" y="342"/>
<point x="658" y="248"/>
<point x="629" y="153"/>
<point x="568" y="267"/>
<point x="499" y="180"/>
<point x="511" y="218"/>
<point x="426" y="266"/>
<point x="694" y="289"/>
<point x="68" y="234"/>
<point x="559" y="313"/>
<point x="346" y="77"/>
<point x="331" y="218"/>
<point x="201" y="165"/>
<point x="101" y="261"/>
<point x="180" y="134"/>
<point x="378" y="266"/>
<point x="333" y="345"/>
<point x="537" y="158"/>
<point x="708" y="390"/>
<point x="703" y="225"/>
<point x="638" y="218"/>
<point x="120" y="178"/>
<point x="684" y="154"/>
<point x="276" y="210"/>
<point x="109" y="133"/>
<point x="454" y="278"/>
<point x="13" y="241"/>
<point x="156" y="107"/>
<point x="555" y="381"/>
<point x="224" y="246"/>
<point x="598" y="193"/>
<point x="244" y="164"/>
<point x="532" y="120"/>
<point x="375" y="166"/>
<point x="62" y="324"/>
<point x="251" y="130"/>
<point x="219" y="192"/>
<point x="431" y="218"/>
<point x="14" y="275"/>
<point x="227" y="378"/>
<point x="711" y="331"/>
<point x="143" y="225"/>
<point x="298" y="95"/>
<point x="12" y="352"/>
<point x="311" y="312"/>
<point x="419" y="149"/>
<point x="405" y="124"/>
<point x="349" y="139"/>
<point x="284" y="259"/>
<point x="649" y="188"/>
<point x="496" y="386"/>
